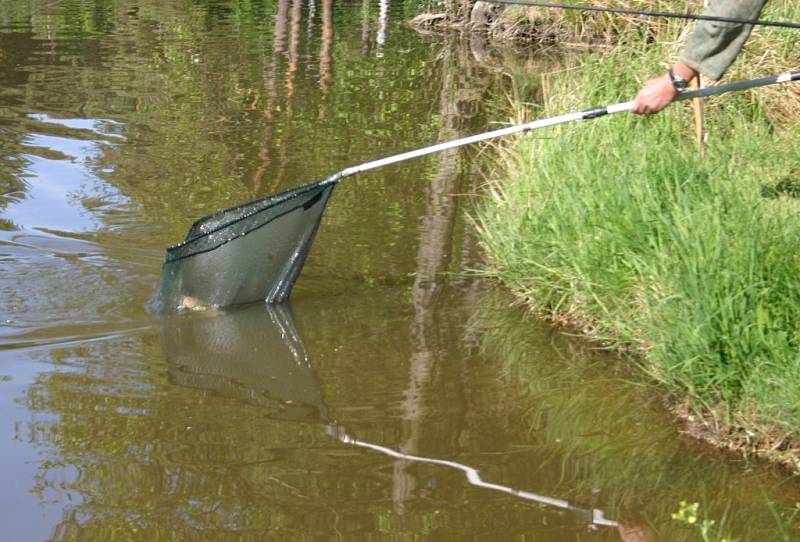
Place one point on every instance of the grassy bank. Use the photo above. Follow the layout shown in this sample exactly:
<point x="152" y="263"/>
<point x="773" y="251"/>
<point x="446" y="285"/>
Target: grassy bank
<point x="619" y="228"/>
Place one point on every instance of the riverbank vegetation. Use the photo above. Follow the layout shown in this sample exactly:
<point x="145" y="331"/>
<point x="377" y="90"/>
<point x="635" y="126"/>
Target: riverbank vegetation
<point x="620" y="228"/>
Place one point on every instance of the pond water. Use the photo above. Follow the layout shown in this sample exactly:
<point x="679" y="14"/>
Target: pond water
<point x="395" y="396"/>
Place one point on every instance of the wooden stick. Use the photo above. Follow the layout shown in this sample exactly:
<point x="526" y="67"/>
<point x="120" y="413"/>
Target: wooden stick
<point x="697" y="106"/>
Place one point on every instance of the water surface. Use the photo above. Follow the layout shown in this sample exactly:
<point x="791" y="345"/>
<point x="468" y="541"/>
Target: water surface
<point x="394" y="397"/>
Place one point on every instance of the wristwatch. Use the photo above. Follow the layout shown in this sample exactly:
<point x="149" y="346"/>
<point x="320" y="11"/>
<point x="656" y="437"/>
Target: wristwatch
<point x="678" y="82"/>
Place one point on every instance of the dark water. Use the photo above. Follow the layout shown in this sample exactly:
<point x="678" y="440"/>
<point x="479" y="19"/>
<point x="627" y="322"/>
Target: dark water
<point x="394" y="398"/>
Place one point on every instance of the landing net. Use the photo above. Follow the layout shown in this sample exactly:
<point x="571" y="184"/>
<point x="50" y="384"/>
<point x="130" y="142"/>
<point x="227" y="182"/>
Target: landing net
<point x="254" y="251"/>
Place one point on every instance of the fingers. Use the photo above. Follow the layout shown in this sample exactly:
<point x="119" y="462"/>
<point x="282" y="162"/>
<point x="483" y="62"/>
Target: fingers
<point x="640" y="107"/>
<point x="654" y="96"/>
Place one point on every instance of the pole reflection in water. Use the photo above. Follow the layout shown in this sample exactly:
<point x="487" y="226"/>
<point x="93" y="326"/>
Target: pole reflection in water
<point x="592" y="517"/>
<point x="256" y="354"/>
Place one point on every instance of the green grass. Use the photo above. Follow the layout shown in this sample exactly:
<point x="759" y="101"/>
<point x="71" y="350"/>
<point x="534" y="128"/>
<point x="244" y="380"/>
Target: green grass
<point x="619" y="227"/>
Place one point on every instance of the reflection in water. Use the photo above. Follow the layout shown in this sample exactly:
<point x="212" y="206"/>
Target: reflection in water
<point x="433" y="257"/>
<point x="270" y="92"/>
<point x="592" y="517"/>
<point x="312" y="10"/>
<point x="380" y="38"/>
<point x="58" y="174"/>
<point x="55" y="207"/>
<point x="256" y="354"/>
<point x="366" y="27"/>
<point x="327" y="43"/>
<point x="294" y="42"/>
<point x="253" y="354"/>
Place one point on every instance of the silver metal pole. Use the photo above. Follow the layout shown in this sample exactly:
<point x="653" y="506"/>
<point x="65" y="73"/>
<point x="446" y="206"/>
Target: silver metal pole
<point x="561" y="119"/>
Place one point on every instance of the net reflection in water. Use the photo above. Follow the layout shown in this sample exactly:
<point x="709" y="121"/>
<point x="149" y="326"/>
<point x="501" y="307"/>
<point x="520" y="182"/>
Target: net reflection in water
<point x="254" y="354"/>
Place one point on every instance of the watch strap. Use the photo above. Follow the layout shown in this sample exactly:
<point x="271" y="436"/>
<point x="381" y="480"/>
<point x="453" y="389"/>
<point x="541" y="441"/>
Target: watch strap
<point x="678" y="82"/>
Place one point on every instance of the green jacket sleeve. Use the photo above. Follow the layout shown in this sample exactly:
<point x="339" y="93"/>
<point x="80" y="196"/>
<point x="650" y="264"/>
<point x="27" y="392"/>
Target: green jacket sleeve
<point x="713" y="46"/>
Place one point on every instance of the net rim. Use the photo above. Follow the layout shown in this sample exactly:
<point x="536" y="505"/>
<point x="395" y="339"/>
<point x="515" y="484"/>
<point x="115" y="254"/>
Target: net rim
<point x="182" y="250"/>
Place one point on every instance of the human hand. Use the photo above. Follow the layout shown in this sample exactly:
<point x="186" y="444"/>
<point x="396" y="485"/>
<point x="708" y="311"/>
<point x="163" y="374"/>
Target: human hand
<point x="654" y="96"/>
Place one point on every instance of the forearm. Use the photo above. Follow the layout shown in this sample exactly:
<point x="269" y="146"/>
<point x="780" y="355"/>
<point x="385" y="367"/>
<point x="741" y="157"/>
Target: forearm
<point x="713" y="46"/>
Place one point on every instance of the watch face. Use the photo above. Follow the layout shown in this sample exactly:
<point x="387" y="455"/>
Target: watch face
<point x="679" y="83"/>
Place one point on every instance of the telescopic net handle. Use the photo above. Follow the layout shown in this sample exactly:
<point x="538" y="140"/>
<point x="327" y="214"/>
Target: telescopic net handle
<point x="552" y="121"/>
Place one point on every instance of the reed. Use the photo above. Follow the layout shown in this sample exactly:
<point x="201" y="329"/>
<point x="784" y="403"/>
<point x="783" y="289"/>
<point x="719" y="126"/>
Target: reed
<point x="620" y="229"/>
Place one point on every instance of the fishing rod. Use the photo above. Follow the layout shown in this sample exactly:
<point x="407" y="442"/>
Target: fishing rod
<point x="645" y="13"/>
<point x="569" y="117"/>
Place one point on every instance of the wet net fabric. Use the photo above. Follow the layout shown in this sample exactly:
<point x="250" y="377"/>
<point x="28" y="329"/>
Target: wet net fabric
<point x="248" y="253"/>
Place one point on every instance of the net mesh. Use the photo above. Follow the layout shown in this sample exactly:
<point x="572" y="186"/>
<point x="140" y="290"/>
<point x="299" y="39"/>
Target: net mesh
<point x="246" y="253"/>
